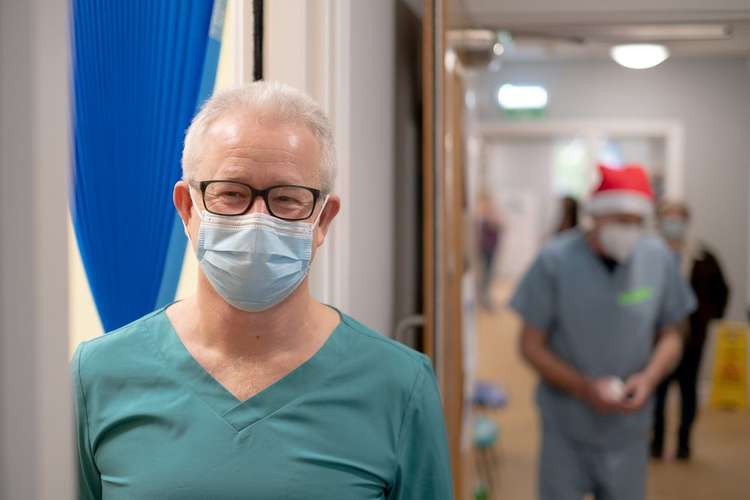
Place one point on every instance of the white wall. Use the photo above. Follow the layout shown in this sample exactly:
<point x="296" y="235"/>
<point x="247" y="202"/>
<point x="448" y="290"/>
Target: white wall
<point x="519" y="177"/>
<point x="711" y="98"/>
<point x="372" y="163"/>
<point x="36" y="444"/>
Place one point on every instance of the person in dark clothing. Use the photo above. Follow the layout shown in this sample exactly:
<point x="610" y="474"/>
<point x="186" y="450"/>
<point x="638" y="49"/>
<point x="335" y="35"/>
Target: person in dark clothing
<point x="569" y="214"/>
<point x="701" y="267"/>
<point x="490" y="235"/>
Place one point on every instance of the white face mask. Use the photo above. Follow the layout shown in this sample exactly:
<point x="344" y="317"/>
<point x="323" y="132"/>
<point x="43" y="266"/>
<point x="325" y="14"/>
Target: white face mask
<point x="619" y="240"/>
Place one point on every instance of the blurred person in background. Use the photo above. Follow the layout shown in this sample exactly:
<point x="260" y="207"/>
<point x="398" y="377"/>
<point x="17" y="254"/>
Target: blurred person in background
<point x="569" y="214"/>
<point x="701" y="268"/>
<point x="490" y="237"/>
<point x="251" y="387"/>
<point x="600" y="311"/>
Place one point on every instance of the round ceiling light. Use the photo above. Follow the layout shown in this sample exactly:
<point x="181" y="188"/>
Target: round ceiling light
<point x="639" y="55"/>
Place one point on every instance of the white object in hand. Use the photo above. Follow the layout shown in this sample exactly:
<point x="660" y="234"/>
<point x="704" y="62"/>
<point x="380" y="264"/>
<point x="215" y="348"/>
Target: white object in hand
<point x="615" y="389"/>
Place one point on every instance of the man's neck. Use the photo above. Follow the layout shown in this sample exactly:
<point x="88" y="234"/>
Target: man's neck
<point x="593" y="242"/>
<point x="299" y="323"/>
<point x="676" y="245"/>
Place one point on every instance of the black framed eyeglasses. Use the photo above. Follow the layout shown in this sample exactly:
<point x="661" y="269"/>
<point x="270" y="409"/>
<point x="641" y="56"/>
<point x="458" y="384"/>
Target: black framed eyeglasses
<point x="286" y="202"/>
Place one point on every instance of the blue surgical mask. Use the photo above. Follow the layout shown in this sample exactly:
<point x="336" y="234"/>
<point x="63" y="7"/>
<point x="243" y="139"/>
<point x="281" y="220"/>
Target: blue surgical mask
<point x="673" y="229"/>
<point x="254" y="261"/>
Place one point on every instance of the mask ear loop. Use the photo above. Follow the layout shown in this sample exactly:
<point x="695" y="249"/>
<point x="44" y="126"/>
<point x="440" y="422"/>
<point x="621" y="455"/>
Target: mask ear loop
<point x="315" y="223"/>
<point x="193" y="207"/>
<point x="322" y="209"/>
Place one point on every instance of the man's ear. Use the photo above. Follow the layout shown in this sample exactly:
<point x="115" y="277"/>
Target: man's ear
<point x="326" y="217"/>
<point x="183" y="202"/>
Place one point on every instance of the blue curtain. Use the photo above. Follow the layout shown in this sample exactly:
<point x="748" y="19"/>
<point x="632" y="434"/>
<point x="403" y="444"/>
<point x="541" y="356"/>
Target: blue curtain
<point x="140" y="69"/>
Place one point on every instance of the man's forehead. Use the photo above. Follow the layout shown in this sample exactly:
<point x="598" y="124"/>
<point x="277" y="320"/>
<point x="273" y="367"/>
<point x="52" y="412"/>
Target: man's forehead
<point x="673" y="213"/>
<point x="239" y="145"/>
<point x="238" y="129"/>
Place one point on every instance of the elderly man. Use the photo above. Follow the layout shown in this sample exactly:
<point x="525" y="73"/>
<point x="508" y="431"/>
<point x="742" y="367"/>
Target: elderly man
<point x="251" y="388"/>
<point x="600" y="312"/>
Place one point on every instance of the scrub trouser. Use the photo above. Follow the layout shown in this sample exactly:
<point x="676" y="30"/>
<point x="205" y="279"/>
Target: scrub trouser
<point x="569" y="470"/>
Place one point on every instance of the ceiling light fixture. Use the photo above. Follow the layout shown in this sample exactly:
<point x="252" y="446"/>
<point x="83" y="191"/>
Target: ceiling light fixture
<point x="639" y="55"/>
<point x="522" y="97"/>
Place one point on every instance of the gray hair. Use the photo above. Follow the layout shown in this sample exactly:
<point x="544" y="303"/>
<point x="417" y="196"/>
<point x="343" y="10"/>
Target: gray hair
<point x="274" y="100"/>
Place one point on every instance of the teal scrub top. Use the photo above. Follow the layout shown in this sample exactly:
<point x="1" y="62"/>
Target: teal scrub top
<point x="361" y="419"/>
<point x="602" y="323"/>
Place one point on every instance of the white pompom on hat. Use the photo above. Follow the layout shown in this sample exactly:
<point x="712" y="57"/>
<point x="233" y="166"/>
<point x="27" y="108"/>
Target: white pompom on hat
<point x="623" y="190"/>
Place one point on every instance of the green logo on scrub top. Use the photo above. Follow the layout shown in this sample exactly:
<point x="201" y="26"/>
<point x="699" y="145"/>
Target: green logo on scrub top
<point x="636" y="296"/>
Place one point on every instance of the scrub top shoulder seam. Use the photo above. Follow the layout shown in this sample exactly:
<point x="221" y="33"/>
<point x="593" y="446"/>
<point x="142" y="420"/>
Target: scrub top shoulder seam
<point x="135" y="324"/>
<point x="82" y="390"/>
<point x="420" y="362"/>
<point x="393" y="344"/>
<point x="412" y="392"/>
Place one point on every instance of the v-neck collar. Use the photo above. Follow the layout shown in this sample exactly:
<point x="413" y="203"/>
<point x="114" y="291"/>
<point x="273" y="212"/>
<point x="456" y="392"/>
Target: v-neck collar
<point x="243" y="414"/>
<point x="611" y="274"/>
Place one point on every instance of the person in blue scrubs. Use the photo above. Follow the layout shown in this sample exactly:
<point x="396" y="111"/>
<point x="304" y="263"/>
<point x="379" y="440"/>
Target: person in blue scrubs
<point x="250" y="388"/>
<point x="601" y="311"/>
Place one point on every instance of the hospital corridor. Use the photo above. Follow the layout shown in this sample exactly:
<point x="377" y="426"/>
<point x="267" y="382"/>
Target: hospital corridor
<point x="374" y="250"/>
<point x="723" y="437"/>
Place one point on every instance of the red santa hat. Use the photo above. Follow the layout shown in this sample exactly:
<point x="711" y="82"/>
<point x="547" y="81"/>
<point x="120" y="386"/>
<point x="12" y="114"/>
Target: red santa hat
<point x="622" y="190"/>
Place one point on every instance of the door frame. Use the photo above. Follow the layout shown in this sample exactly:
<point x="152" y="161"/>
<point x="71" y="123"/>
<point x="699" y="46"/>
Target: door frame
<point x="671" y="131"/>
<point x="441" y="243"/>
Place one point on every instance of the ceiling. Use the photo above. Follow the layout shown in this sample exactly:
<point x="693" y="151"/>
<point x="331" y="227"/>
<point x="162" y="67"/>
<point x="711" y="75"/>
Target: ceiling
<point x="586" y="29"/>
